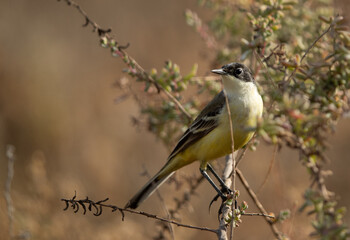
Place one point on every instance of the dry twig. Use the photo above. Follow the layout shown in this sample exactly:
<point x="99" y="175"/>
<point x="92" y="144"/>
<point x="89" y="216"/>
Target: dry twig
<point x="252" y="194"/>
<point x="97" y="207"/>
<point x="269" y="170"/>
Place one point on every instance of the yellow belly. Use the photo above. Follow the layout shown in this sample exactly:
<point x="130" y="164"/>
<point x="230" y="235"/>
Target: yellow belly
<point x="216" y="144"/>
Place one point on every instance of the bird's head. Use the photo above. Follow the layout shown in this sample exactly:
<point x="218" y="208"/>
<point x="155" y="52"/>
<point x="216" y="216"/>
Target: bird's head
<point x="235" y="73"/>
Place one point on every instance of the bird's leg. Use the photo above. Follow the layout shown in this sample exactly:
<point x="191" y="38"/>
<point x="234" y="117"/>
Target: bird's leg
<point x="224" y="187"/>
<point x="205" y="175"/>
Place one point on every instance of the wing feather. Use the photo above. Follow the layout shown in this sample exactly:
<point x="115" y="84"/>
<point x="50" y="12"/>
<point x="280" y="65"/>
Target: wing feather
<point x="206" y="121"/>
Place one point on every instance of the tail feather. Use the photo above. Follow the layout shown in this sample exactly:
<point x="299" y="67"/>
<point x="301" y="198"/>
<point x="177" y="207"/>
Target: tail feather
<point x="147" y="190"/>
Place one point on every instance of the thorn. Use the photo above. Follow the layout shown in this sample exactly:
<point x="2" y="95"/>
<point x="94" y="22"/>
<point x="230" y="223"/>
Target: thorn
<point x="87" y="20"/>
<point x="213" y="200"/>
<point x="124" y="47"/>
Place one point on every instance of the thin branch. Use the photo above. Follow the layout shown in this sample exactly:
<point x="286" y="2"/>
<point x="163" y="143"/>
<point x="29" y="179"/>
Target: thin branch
<point x="10" y="154"/>
<point x="306" y="53"/>
<point x="201" y="28"/>
<point x="266" y="69"/>
<point x="252" y="194"/>
<point x="243" y="152"/>
<point x="315" y="41"/>
<point x="97" y="207"/>
<point x="171" y="221"/>
<point x="269" y="170"/>
<point x="128" y="60"/>
<point x="259" y="214"/>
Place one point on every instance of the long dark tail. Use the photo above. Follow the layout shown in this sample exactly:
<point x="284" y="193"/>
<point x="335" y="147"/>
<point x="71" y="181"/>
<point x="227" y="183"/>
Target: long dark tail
<point x="147" y="190"/>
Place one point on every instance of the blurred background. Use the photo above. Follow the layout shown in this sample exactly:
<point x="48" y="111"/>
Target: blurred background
<point x="57" y="108"/>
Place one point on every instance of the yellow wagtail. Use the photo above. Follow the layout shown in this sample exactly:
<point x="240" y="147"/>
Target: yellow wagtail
<point x="209" y="136"/>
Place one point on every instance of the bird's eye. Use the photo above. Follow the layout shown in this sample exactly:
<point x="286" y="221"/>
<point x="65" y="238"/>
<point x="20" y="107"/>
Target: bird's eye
<point x="238" y="71"/>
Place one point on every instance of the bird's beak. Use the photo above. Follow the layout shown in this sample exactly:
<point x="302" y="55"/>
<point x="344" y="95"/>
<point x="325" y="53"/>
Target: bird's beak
<point x="219" y="71"/>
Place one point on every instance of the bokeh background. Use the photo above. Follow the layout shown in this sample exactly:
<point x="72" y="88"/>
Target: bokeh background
<point x="57" y="108"/>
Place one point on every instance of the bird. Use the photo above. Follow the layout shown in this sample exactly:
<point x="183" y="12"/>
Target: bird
<point x="209" y="136"/>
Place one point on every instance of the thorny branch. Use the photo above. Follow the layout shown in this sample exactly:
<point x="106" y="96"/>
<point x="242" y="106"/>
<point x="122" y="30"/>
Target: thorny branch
<point x="97" y="208"/>
<point x="119" y="50"/>
<point x="294" y="141"/>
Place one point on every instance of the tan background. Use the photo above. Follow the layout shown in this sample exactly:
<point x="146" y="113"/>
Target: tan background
<point x="57" y="107"/>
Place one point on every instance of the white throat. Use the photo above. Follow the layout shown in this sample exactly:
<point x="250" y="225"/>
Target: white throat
<point x="234" y="86"/>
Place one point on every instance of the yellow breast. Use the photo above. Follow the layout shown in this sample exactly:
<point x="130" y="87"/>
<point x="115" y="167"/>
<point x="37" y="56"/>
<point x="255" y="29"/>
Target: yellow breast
<point x="245" y="110"/>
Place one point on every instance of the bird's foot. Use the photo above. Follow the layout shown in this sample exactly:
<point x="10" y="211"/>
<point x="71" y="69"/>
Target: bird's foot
<point x="225" y="194"/>
<point x="226" y="190"/>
